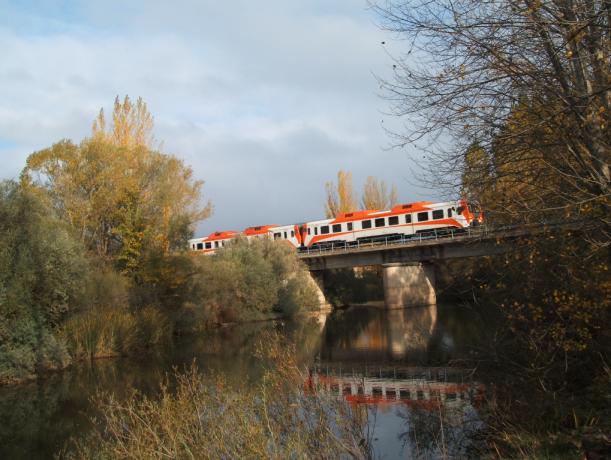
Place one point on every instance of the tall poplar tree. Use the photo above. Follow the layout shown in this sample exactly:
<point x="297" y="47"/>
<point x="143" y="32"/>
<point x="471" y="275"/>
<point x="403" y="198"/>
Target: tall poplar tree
<point x="124" y="198"/>
<point x="340" y="197"/>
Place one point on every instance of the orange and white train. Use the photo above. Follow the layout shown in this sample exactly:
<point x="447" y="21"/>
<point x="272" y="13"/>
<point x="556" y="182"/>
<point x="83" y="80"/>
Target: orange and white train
<point x="403" y="221"/>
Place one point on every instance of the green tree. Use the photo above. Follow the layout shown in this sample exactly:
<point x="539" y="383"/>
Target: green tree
<point x="42" y="278"/>
<point x="249" y="279"/>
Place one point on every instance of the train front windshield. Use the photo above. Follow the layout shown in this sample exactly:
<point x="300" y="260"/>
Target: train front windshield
<point x="476" y="210"/>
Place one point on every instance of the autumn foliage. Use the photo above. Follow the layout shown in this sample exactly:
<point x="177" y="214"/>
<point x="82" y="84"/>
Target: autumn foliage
<point x="124" y="198"/>
<point x="341" y="196"/>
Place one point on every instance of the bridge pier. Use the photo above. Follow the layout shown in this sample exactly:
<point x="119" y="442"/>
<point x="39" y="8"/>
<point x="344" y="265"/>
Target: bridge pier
<point x="408" y="285"/>
<point x="316" y="279"/>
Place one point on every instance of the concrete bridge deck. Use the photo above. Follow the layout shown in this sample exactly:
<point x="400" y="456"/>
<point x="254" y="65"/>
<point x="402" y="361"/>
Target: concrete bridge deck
<point x="409" y="278"/>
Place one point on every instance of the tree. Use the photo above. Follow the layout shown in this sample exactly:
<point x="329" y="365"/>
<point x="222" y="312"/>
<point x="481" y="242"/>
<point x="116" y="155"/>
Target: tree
<point x="132" y="124"/>
<point x="529" y="81"/>
<point x="470" y="65"/>
<point x="340" y="198"/>
<point x="377" y="196"/>
<point x="123" y="198"/>
<point x="42" y="279"/>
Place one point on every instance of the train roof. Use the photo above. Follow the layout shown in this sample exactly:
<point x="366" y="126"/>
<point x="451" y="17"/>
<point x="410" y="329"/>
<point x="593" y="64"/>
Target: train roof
<point x="221" y="235"/>
<point x="416" y="206"/>
<point x="258" y="230"/>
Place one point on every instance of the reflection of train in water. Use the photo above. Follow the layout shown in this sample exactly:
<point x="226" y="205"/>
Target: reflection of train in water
<point x="413" y="390"/>
<point x="401" y="222"/>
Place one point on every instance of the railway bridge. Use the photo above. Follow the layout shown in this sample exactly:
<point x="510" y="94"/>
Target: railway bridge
<point x="407" y="270"/>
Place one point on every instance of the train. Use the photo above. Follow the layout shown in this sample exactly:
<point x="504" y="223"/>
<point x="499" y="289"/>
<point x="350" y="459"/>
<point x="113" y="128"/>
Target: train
<point x="402" y="222"/>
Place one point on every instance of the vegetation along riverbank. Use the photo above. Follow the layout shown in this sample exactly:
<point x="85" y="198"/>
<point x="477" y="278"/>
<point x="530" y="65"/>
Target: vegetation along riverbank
<point x="92" y="260"/>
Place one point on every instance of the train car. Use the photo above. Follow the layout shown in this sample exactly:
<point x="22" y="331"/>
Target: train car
<point x="402" y="221"/>
<point x="289" y="233"/>
<point x="209" y="244"/>
<point x="261" y="231"/>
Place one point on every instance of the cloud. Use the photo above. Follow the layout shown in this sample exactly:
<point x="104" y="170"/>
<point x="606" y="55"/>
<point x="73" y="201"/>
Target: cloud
<point x="265" y="101"/>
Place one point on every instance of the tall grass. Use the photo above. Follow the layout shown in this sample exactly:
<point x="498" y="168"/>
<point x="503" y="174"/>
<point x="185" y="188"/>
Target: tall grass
<point x="106" y="332"/>
<point x="195" y="416"/>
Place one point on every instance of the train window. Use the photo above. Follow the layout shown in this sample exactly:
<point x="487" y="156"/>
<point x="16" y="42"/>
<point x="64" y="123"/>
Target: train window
<point x="216" y="244"/>
<point x="337" y="228"/>
<point x="408" y="218"/>
<point x="315" y="230"/>
<point x="349" y="226"/>
<point x="449" y="212"/>
<point x="460" y="209"/>
<point x="292" y="233"/>
<point x="394" y="220"/>
<point x="200" y="246"/>
<point x="285" y="236"/>
<point x="380" y="222"/>
<point x="438" y="214"/>
<point x="324" y="229"/>
<point x="208" y="245"/>
<point x="277" y="235"/>
<point x="422" y="216"/>
<point x="309" y="233"/>
<point x="365" y="224"/>
<point x="193" y="246"/>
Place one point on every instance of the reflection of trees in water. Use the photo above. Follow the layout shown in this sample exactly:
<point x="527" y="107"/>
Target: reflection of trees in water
<point x="344" y="326"/>
<point x="37" y="417"/>
<point x="464" y="327"/>
<point x="307" y="336"/>
<point x="394" y="334"/>
<point x="44" y="414"/>
<point x="438" y="431"/>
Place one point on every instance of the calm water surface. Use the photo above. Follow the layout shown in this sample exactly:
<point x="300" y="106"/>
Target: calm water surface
<point x="401" y="366"/>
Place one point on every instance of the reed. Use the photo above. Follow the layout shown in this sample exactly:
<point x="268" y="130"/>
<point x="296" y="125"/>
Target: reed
<point x="198" y="416"/>
<point x="105" y="332"/>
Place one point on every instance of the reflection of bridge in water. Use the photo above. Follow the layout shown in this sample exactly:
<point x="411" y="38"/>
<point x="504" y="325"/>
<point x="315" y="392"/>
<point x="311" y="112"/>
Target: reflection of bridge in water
<point x="389" y="335"/>
<point x="415" y="386"/>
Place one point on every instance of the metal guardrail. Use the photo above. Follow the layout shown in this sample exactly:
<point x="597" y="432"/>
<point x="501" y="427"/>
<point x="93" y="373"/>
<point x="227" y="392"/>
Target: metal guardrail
<point x="376" y="242"/>
<point x="444" y="235"/>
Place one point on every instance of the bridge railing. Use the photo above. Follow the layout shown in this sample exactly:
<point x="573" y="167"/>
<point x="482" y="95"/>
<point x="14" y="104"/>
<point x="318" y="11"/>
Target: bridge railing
<point x="394" y="240"/>
<point x="479" y="231"/>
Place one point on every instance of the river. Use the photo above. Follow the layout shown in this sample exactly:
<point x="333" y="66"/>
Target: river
<point x="402" y="366"/>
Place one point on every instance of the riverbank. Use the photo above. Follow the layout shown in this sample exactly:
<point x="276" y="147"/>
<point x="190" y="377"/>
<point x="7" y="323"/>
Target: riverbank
<point x="38" y="418"/>
<point x="318" y="315"/>
<point x="60" y="304"/>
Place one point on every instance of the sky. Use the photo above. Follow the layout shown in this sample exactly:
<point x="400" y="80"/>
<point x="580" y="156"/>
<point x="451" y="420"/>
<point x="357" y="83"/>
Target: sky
<point x="265" y="100"/>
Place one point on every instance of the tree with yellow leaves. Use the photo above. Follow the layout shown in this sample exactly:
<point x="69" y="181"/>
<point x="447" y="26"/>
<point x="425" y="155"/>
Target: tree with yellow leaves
<point x="123" y="198"/>
<point x="132" y="124"/>
<point x="376" y="194"/>
<point x="340" y="198"/>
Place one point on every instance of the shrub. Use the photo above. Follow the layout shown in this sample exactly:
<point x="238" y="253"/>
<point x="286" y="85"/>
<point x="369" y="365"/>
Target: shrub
<point x="163" y="280"/>
<point x="112" y="331"/>
<point x="42" y="279"/>
<point x="297" y="295"/>
<point x="100" y="332"/>
<point x="153" y="327"/>
<point x="192" y="318"/>
<point x="107" y="288"/>
<point x="204" y="417"/>
<point x="247" y="280"/>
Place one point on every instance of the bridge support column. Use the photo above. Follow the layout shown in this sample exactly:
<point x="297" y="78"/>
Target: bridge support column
<point x="408" y="285"/>
<point x="316" y="278"/>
